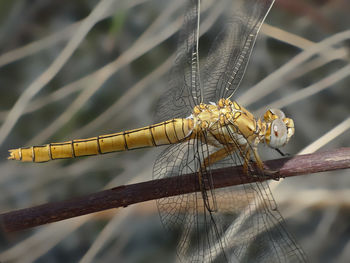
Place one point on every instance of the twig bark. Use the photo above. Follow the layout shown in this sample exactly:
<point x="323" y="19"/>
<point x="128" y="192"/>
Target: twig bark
<point x="125" y="195"/>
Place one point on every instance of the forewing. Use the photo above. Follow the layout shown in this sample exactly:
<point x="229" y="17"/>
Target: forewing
<point x="230" y="52"/>
<point x="183" y="92"/>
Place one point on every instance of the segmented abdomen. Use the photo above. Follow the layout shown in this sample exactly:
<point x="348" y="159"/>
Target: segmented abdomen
<point x="168" y="132"/>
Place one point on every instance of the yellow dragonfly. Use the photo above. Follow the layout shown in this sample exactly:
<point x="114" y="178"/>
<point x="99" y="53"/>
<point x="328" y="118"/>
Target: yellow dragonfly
<point x="204" y="135"/>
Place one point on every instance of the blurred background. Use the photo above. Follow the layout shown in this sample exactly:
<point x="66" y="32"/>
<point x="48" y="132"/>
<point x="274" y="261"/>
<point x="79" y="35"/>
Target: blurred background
<point x="76" y="69"/>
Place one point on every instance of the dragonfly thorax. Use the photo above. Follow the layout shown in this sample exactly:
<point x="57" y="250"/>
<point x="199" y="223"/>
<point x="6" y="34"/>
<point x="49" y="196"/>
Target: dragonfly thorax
<point x="225" y="123"/>
<point x="229" y="123"/>
<point x="206" y="116"/>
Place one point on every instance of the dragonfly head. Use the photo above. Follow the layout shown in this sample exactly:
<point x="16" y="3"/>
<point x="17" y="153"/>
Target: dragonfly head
<point x="279" y="128"/>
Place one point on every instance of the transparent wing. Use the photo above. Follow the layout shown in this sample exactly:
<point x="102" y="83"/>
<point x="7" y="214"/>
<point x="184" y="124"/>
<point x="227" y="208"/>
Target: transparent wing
<point x="230" y="52"/>
<point x="239" y="223"/>
<point x="260" y="224"/>
<point x="245" y="225"/>
<point x="184" y="89"/>
<point x="199" y="230"/>
<point x="226" y="63"/>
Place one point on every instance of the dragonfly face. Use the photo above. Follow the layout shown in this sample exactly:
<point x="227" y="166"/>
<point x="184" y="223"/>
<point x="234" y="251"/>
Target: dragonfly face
<point x="279" y="128"/>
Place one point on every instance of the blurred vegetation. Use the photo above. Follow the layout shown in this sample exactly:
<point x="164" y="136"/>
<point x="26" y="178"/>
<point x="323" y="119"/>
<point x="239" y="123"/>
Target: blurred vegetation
<point x="316" y="207"/>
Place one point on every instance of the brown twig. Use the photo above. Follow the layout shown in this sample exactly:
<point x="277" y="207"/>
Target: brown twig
<point x="126" y="195"/>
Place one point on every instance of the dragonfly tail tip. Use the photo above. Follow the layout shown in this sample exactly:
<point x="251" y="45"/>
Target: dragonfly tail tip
<point x="11" y="155"/>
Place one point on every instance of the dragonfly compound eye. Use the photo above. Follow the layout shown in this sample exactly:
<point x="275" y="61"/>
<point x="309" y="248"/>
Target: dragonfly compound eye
<point x="277" y="136"/>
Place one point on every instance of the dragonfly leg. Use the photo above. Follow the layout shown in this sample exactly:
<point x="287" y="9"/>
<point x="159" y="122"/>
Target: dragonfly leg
<point x="260" y="164"/>
<point x="206" y="184"/>
<point x="246" y="160"/>
<point x="218" y="155"/>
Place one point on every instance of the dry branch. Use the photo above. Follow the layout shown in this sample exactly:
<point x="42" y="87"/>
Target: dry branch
<point x="123" y="196"/>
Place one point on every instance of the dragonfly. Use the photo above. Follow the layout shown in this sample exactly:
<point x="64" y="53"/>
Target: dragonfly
<point x="205" y="129"/>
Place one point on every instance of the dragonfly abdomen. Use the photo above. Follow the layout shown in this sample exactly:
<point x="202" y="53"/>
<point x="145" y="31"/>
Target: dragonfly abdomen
<point x="168" y="132"/>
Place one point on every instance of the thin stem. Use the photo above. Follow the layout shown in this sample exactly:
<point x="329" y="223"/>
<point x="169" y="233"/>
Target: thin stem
<point x="125" y="195"/>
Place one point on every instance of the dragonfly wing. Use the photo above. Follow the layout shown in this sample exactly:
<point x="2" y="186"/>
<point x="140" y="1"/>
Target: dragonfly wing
<point x="258" y="232"/>
<point x="184" y="89"/>
<point x="230" y="52"/>
<point x="199" y="229"/>
<point x="245" y="225"/>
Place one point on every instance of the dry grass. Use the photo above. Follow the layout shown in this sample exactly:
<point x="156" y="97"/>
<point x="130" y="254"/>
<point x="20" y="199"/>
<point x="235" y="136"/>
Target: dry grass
<point x="62" y="79"/>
